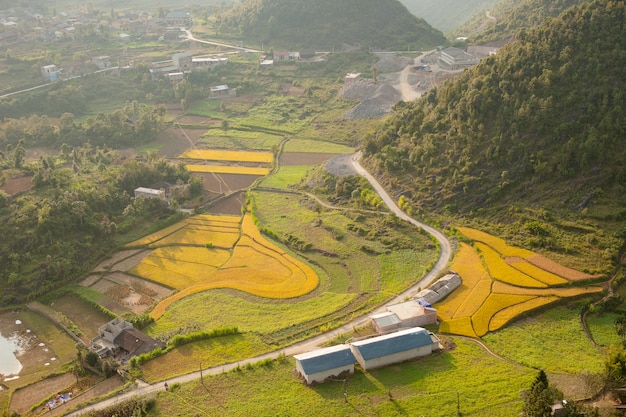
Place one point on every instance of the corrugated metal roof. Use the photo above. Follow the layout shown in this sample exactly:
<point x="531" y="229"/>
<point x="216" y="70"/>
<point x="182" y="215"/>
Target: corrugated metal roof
<point x="392" y="343"/>
<point x="326" y="359"/>
<point x="386" y="319"/>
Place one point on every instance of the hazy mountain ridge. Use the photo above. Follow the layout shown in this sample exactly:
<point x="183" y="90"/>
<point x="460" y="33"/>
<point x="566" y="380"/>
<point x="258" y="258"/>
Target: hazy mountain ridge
<point x="543" y="115"/>
<point x="508" y="17"/>
<point x="324" y="24"/>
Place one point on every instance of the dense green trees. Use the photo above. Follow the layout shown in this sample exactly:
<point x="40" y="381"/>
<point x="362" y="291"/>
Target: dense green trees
<point x="548" y="106"/>
<point x="324" y="24"/>
<point x="511" y="16"/>
<point x="80" y="207"/>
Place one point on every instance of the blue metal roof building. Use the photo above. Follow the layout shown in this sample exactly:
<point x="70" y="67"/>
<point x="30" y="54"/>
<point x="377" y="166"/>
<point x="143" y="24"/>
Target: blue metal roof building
<point x="321" y="364"/>
<point x="394" y="347"/>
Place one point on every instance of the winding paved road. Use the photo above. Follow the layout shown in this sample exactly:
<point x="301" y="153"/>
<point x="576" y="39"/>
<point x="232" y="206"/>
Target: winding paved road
<point x="445" y="255"/>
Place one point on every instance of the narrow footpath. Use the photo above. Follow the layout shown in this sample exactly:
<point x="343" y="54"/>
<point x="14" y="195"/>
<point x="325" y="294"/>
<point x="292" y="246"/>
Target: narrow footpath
<point x="445" y="256"/>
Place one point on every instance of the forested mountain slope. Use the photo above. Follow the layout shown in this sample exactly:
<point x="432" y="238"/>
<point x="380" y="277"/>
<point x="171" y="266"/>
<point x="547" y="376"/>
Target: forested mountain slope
<point x="540" y="125"/>
<point x="510" y="16"/>
<point x="324" y="24"/>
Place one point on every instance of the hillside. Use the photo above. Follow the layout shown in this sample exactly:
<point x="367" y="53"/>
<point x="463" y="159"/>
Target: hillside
<point x="534" y="135"/>
<point x="508" y="17"/>
<point x="447" y="14"/>
<point x="327" y="24"/>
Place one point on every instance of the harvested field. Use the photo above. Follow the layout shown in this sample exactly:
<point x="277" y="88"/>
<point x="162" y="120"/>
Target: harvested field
<point x="117" y="257"/>
<point x="303" y="158"/>
<point x="23" y="399"/>
<point x="558" y="269"/>
<point x="198" y="120"/>
<point x="231" y="205"/>
<point x="226" y="183"/>
<point x="97" y="390"/>
<point x="86" y="317"/>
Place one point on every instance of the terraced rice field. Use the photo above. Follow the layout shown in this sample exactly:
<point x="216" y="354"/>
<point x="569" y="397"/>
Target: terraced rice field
<point x="206" y="252"/>
<point x="500" y="283"/>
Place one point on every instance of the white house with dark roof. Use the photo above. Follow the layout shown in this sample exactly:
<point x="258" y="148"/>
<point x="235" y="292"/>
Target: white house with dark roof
<point x="321" y="364"/>
<point x="395" y="347"/>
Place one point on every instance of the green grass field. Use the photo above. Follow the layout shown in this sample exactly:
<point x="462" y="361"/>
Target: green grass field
<point x="286" y="176"/>
<point x="553" y="341"/>
<point x="602" y="328"/>
<point x="316" y="146"/>
<point x="484" y="386"/>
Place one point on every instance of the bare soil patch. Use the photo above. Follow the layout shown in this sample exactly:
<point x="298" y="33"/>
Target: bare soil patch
<point x="87" y="318"/>
<point x="14" y="186"/>
<point x="117" y="257"/>
<point x="198" y="120"/>
<point x="134" y="294"/>
<point x="98" y="390"/>
<point x="303" y="158"/>
<point x="127" y="263"/>
<point x="173" y="142"/>
<point x="24" y="398"/>
<point x="230" y="205"/>
<point x="226" y="183"/>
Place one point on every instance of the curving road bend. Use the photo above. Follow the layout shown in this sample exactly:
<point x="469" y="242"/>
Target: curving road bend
<point x="445" y="256"/>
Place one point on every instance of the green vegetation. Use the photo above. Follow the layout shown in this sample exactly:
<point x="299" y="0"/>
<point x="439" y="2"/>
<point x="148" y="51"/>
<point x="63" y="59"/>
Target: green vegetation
<point x="509" y="17"/>
<point x="427" y="386"/>
<point x="327" y="25"/>
<point x="538" y="343"/>
<point x="602" y="328"/>
<point x="286" y="177"/>
<point x="529" y="141"/>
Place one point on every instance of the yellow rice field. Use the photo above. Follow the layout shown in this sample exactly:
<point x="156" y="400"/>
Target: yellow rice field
<point x="501" y="271"/>
<point x="254" y="265"/>
<point x="225" y="155"/>
<point x="497" y="244"/>
<point x="495" y="290"/>
<point x="506" y="315"/>
<point x="226" y="169"/>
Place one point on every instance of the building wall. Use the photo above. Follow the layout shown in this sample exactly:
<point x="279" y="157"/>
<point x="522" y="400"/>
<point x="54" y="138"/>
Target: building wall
<point x="391" y="359"/>
<point x="322" y="376"/>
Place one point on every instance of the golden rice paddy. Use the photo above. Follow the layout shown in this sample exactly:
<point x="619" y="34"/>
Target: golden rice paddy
<point x="243" y="260"/>
<point x="501" y="283"/>
<point x="225" y="155"/>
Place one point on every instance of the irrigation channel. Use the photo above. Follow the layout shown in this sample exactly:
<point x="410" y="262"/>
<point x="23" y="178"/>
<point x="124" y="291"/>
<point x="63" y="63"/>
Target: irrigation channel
<point x="445" y="255"/>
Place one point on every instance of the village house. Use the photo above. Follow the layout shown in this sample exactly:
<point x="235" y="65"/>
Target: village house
<point x="119" y="337"/>
<point x="183" y="61"/>
<point x="439" y="290"/>
<point x="179" y="19"/>
<point x="412" y="313"/>
<point x="321" y="364"/>
<point x="391" y="348"/>
<point x="102" y="62"/>
<point x="223" y="90"/>
<point x="50" y="72"/>
<point x="144" y="192"/>
<point x="351" y="77"/>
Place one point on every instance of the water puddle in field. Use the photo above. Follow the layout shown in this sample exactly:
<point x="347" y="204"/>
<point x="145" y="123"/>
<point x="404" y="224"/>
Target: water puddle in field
<point x="9" y="348"/>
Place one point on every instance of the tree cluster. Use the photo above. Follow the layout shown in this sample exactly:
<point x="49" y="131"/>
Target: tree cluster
<point x="81" y="205"/>
<point x="548" y="107"/>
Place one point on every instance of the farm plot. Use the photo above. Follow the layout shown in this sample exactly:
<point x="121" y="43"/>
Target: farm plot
<point x="239" y="139"/>
<point x="222" y="155"/>
<point x="496" y="290"/>
<point x="227" y="169"/>
<point x="208" y="251"/>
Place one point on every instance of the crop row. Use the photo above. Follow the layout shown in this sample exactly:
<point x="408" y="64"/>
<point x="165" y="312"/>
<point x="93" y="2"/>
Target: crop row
<point x="225" y="169"/>
<point x="497" y="244"/>
<point x="223" y="155"/>
<point x="501" y="271"/>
